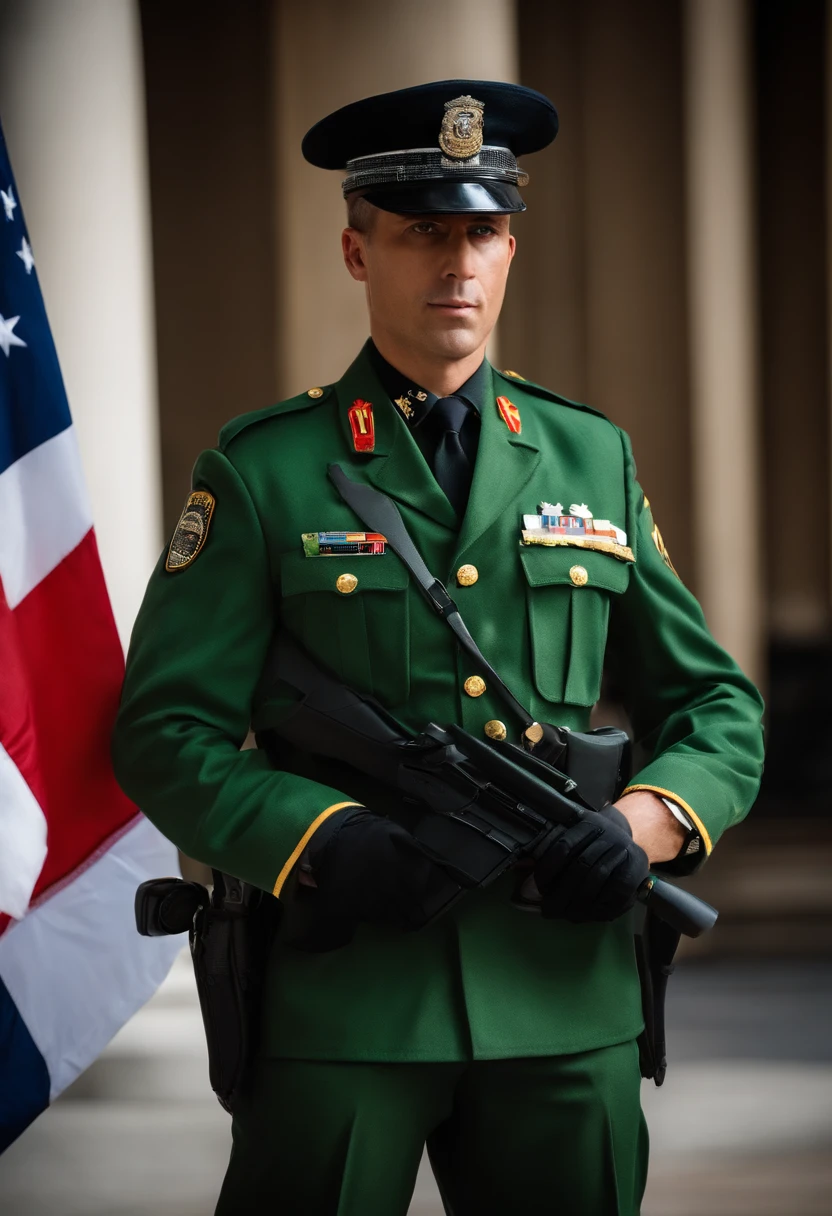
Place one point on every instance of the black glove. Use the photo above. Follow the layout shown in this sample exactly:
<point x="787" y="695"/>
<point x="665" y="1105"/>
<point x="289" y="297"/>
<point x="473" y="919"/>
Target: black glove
<point x="367" y="868"/>
<point x="592" y="870"/>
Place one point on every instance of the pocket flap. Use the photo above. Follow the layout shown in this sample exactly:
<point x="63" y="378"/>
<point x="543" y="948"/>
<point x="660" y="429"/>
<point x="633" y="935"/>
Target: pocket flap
<point x="383" y="572"/>
<point x="550" y="565"/>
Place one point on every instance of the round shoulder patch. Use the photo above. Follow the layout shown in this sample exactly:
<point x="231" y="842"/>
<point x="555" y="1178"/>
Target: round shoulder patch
<point x="191" y="531"/>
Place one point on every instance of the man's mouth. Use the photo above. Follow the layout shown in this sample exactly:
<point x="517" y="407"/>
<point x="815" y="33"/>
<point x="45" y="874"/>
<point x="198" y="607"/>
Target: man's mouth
<point x="457" y="305"/>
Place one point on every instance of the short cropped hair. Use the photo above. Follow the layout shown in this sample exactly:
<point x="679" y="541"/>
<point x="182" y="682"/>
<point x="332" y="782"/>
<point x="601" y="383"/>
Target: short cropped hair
<point x="360" y="214"/>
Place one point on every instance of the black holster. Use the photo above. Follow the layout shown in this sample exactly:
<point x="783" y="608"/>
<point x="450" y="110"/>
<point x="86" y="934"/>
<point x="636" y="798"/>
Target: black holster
<point x="655" y="946"/>
<point x="230" y="939"/>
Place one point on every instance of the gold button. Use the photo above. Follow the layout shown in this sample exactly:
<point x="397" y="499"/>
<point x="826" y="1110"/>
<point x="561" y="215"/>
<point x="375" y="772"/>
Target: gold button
<point x="495" y="729"/>
<point x="579" y="576"/>
<point x="315" y="392"/>
<point x="474" y="686"/>
<point x="466" y="576"/>
<point x="345" y="583"/>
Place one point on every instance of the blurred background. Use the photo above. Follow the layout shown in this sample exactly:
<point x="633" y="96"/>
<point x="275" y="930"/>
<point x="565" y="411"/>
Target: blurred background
<point x="673" y="270"/>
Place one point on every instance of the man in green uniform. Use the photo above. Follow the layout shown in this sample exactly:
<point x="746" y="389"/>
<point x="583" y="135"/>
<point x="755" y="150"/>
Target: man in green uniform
<point x="506" y="1042"/>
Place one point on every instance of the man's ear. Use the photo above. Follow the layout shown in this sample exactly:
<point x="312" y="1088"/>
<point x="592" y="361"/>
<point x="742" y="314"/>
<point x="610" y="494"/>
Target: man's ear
<point x="352" y="247"/>
<point x="512" y="246"/>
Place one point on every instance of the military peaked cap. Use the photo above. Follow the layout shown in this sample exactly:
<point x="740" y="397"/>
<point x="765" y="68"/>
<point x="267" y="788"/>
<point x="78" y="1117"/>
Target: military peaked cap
<point x="447" y="146"/>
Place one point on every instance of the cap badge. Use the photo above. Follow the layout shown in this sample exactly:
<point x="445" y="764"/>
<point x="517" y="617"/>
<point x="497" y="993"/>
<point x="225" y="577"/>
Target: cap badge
<point x="362" y="426"/>
<point x="509" y="414"/>
<point x="460" y="136"/>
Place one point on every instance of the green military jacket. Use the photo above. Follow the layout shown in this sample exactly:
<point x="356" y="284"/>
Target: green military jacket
<point x="486" y="981"/>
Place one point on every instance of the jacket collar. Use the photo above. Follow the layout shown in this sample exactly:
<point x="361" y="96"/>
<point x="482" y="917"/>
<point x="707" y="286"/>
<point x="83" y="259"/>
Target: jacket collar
<point x="395" y="465"/>
<point x="505" y="461"/>
<point x="413" y="401"/>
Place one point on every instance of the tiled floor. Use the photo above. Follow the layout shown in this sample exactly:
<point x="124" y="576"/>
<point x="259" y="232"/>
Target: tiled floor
<point x="742" y="1126"/>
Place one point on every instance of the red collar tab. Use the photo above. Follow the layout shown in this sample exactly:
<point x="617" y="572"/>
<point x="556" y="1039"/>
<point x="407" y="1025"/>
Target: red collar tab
<point x="363" y="426"/>
<point x="509" y="414"/>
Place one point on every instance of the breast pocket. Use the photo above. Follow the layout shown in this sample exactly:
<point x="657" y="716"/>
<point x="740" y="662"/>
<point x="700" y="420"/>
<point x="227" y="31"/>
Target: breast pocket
<point x="351" y="614"/>
<point x="569" y="595"/>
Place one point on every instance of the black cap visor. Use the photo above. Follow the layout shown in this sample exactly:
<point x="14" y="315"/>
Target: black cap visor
<point x="446" y="197"/>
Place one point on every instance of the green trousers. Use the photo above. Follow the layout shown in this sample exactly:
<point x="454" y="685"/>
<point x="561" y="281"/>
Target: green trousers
<point x="560" y="1135"/>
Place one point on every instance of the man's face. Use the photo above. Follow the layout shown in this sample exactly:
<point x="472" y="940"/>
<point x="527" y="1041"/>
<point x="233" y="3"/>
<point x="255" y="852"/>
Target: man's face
<point x="435" y="283"/>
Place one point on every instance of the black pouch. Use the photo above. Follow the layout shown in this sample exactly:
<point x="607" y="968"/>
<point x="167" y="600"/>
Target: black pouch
<point x="655" y="946"/>
<point x="230" y="940"/>
<point x="597" y="760"/>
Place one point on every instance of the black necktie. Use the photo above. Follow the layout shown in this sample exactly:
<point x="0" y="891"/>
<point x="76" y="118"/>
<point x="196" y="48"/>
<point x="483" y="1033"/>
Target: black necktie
<point x="451" y="467"/>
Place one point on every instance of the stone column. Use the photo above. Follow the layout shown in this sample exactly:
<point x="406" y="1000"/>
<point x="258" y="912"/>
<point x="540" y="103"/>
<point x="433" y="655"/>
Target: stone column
<point x="543" y="325"/>
<point x="794" y="321"/>
<point x="828" y="203"/>
<point x="72" y="106"/>
<point x="327" y="54"/>
<point x="208" y="80"/>
<point x="722" y="296"/>
<point x="596" y="300"/>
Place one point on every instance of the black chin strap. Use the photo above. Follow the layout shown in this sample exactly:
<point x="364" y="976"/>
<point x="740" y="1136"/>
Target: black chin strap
<point x="380" y="514"/>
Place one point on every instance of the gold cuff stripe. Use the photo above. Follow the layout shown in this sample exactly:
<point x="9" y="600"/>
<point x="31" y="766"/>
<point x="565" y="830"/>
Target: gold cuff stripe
<point x="304" y="841"/>
<point x="657" y="789"/>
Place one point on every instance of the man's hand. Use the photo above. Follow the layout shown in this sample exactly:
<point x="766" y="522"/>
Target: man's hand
<point x="365" y="868"/>
<point x="592" y="870"/>
<point x="653" y="825"/>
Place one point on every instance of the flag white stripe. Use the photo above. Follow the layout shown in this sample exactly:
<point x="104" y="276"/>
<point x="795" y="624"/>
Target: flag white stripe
<point x="75" y="966"/>
<point x="45" y="513"/>
<point x="22" y="839"/>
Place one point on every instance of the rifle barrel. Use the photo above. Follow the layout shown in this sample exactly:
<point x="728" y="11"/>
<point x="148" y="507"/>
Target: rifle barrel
<point x="685" y="912"/>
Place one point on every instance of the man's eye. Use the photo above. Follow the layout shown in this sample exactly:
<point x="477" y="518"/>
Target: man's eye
<point x="483" y="230"/>
<point x="424" y="226"/>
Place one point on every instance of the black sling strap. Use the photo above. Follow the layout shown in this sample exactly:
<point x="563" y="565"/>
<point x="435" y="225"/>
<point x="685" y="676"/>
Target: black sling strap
<point x="380" y="514"/>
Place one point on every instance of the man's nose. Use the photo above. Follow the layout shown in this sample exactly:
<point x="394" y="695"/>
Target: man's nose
<point x="461" y="259"/>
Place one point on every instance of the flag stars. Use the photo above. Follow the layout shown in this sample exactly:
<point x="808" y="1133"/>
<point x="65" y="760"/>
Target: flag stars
<point x="7" y="338"/>
<point x="9" y="203"/>
<point x="25" y="255"/>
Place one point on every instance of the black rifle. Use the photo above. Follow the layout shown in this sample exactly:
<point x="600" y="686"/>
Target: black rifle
<point x="482" y="806"/>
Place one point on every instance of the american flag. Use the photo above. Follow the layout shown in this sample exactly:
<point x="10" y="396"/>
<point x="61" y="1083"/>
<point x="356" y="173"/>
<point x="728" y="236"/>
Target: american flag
<point x="72" y="847"/>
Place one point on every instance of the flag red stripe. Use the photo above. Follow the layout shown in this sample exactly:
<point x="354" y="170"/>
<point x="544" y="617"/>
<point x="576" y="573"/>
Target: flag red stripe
<point x="71" y="664"/>
<point x="17" y="726"/>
